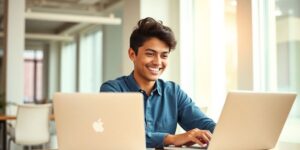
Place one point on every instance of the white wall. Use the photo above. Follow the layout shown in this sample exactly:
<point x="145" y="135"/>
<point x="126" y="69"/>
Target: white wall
<point x="112" y="50"/>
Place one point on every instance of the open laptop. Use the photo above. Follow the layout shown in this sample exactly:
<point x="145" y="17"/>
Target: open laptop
<point x="250" y="120"/>
<point x="107" y="121"/>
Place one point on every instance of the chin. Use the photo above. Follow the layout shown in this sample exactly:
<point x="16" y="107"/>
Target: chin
<point x="154" y="78"/>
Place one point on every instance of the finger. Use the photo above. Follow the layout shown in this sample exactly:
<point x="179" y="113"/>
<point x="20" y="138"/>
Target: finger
<point x="195" y="140"/>
<point x="189" y="143"/>
<point x="208" y="134"/>
<point x="204" y="138"/>
<point x="204" y="132"/>
<point x="201" y="134"/>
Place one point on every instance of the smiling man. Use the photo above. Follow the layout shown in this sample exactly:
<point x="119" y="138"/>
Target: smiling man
<point x="165" y="103"/>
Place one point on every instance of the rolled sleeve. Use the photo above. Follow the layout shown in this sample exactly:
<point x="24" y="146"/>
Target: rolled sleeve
<point x="155" y="139"/>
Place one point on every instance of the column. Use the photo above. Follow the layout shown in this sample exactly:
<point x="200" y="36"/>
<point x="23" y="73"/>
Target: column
<point x="14" y="47"/>
<point x="53" y="68"/>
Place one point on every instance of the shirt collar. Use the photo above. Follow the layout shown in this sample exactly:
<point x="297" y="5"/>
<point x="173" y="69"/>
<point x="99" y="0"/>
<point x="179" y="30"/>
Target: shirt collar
<point x="135" y="87"/>
<point x="157" y="87"/>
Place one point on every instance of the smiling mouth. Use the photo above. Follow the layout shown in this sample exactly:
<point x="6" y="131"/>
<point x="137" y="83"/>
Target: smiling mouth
<point x="154" y="70"/>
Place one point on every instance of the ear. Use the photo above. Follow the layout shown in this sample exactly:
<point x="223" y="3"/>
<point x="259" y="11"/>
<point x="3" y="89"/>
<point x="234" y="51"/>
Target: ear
<point x="131" y="54"/>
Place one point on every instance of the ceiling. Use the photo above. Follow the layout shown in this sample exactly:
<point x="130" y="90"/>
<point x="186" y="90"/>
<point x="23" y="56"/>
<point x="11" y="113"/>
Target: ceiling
<point x="87" y="8"/>
<point x="99" y="8"/>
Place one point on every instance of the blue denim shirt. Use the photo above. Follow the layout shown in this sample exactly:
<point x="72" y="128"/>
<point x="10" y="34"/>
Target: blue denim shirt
<point x="166" y="106"/>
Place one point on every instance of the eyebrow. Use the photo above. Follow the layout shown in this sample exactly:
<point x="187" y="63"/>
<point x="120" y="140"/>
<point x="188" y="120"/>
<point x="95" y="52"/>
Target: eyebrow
<point x="153" y="50"/>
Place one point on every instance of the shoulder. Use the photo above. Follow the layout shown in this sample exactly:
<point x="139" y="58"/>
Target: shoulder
<point x="174" y="90"/>
<point x="168" y="85"/>
<point x="113" y="85"/>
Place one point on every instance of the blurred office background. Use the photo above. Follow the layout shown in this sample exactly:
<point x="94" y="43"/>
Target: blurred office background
<point x="48" y="46"/>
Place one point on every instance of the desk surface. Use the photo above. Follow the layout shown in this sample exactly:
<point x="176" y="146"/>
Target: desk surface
<point x="280" y="146"/>
<point x="7" y="117"/>
<point x="11" y="117"/>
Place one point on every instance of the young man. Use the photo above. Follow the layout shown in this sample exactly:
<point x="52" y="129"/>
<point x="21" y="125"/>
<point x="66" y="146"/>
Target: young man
<point x="165" y="104"/>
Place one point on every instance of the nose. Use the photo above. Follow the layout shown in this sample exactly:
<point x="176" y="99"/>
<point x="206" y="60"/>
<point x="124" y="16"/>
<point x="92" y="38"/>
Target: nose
<point x="157" y="60"/>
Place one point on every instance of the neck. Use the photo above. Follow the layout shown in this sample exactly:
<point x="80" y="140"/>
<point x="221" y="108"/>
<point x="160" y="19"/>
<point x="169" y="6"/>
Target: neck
<point x="147" y="86"/>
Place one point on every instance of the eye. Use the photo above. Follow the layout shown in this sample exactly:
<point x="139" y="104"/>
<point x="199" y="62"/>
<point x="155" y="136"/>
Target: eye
<point x="165" y="56"/>
<point x="149" y="54"/>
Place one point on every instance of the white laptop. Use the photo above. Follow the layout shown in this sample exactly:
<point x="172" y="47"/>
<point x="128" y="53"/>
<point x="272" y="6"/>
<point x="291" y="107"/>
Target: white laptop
<point x="107" y="121"/>
<point x="250" y="120"/>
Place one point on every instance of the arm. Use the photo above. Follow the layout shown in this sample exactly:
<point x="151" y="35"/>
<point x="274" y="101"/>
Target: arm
<point x="194" y="136"/>
<point x="159" y="140"/>
<point x="155" y="139"/>
<point x="190" y="116"/>
<point x="196" y="123"/>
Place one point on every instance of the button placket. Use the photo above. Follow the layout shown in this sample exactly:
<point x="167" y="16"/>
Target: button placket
<point x="149" y="119"/>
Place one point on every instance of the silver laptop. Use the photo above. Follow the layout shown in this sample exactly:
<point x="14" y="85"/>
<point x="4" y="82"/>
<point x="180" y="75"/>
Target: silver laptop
<point x="107" y="121"/>
<point x="250" y="120"/>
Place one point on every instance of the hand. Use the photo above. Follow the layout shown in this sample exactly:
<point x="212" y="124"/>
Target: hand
<point x="194" y="136"/>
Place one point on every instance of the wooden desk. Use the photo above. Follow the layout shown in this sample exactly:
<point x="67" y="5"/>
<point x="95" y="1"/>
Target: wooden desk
<point x="10" y="117"/>
<point x="4" y="117"/>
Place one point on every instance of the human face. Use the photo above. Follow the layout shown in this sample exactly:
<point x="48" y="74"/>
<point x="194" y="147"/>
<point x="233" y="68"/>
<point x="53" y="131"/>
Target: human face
<point x="150" y="61"/>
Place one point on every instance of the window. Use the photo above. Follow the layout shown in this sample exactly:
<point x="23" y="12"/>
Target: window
<point x="90" y="66"/>
<point x="208" y="51"/>
<point x="287" y="54"/>
<point x="276" y="54"/>
<point x="81" y="69"/>
<point x="33" y="76"/>
<point x="68" y="68"/>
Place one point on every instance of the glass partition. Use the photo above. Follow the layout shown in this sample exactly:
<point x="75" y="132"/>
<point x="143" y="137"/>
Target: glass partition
<point x="288" y="61"/>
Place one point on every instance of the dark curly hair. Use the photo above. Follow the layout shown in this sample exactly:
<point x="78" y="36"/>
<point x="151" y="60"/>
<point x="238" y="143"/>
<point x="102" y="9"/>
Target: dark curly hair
<point x="148" y="28"/>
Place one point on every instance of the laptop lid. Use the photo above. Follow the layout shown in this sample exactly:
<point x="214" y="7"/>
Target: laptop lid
<point x="99" y="121"/>
<point x="251" y="120"/>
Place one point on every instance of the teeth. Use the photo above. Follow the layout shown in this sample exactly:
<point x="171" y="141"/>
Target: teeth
<point x="154" y="69"/>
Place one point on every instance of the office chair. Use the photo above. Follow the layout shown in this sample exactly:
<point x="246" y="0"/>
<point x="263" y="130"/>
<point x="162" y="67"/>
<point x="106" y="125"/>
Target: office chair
<point x="32" y="126"/>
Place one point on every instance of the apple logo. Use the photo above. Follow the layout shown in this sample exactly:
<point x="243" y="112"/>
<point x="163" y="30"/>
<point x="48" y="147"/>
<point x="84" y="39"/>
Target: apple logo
<point x="98" y="126"/>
